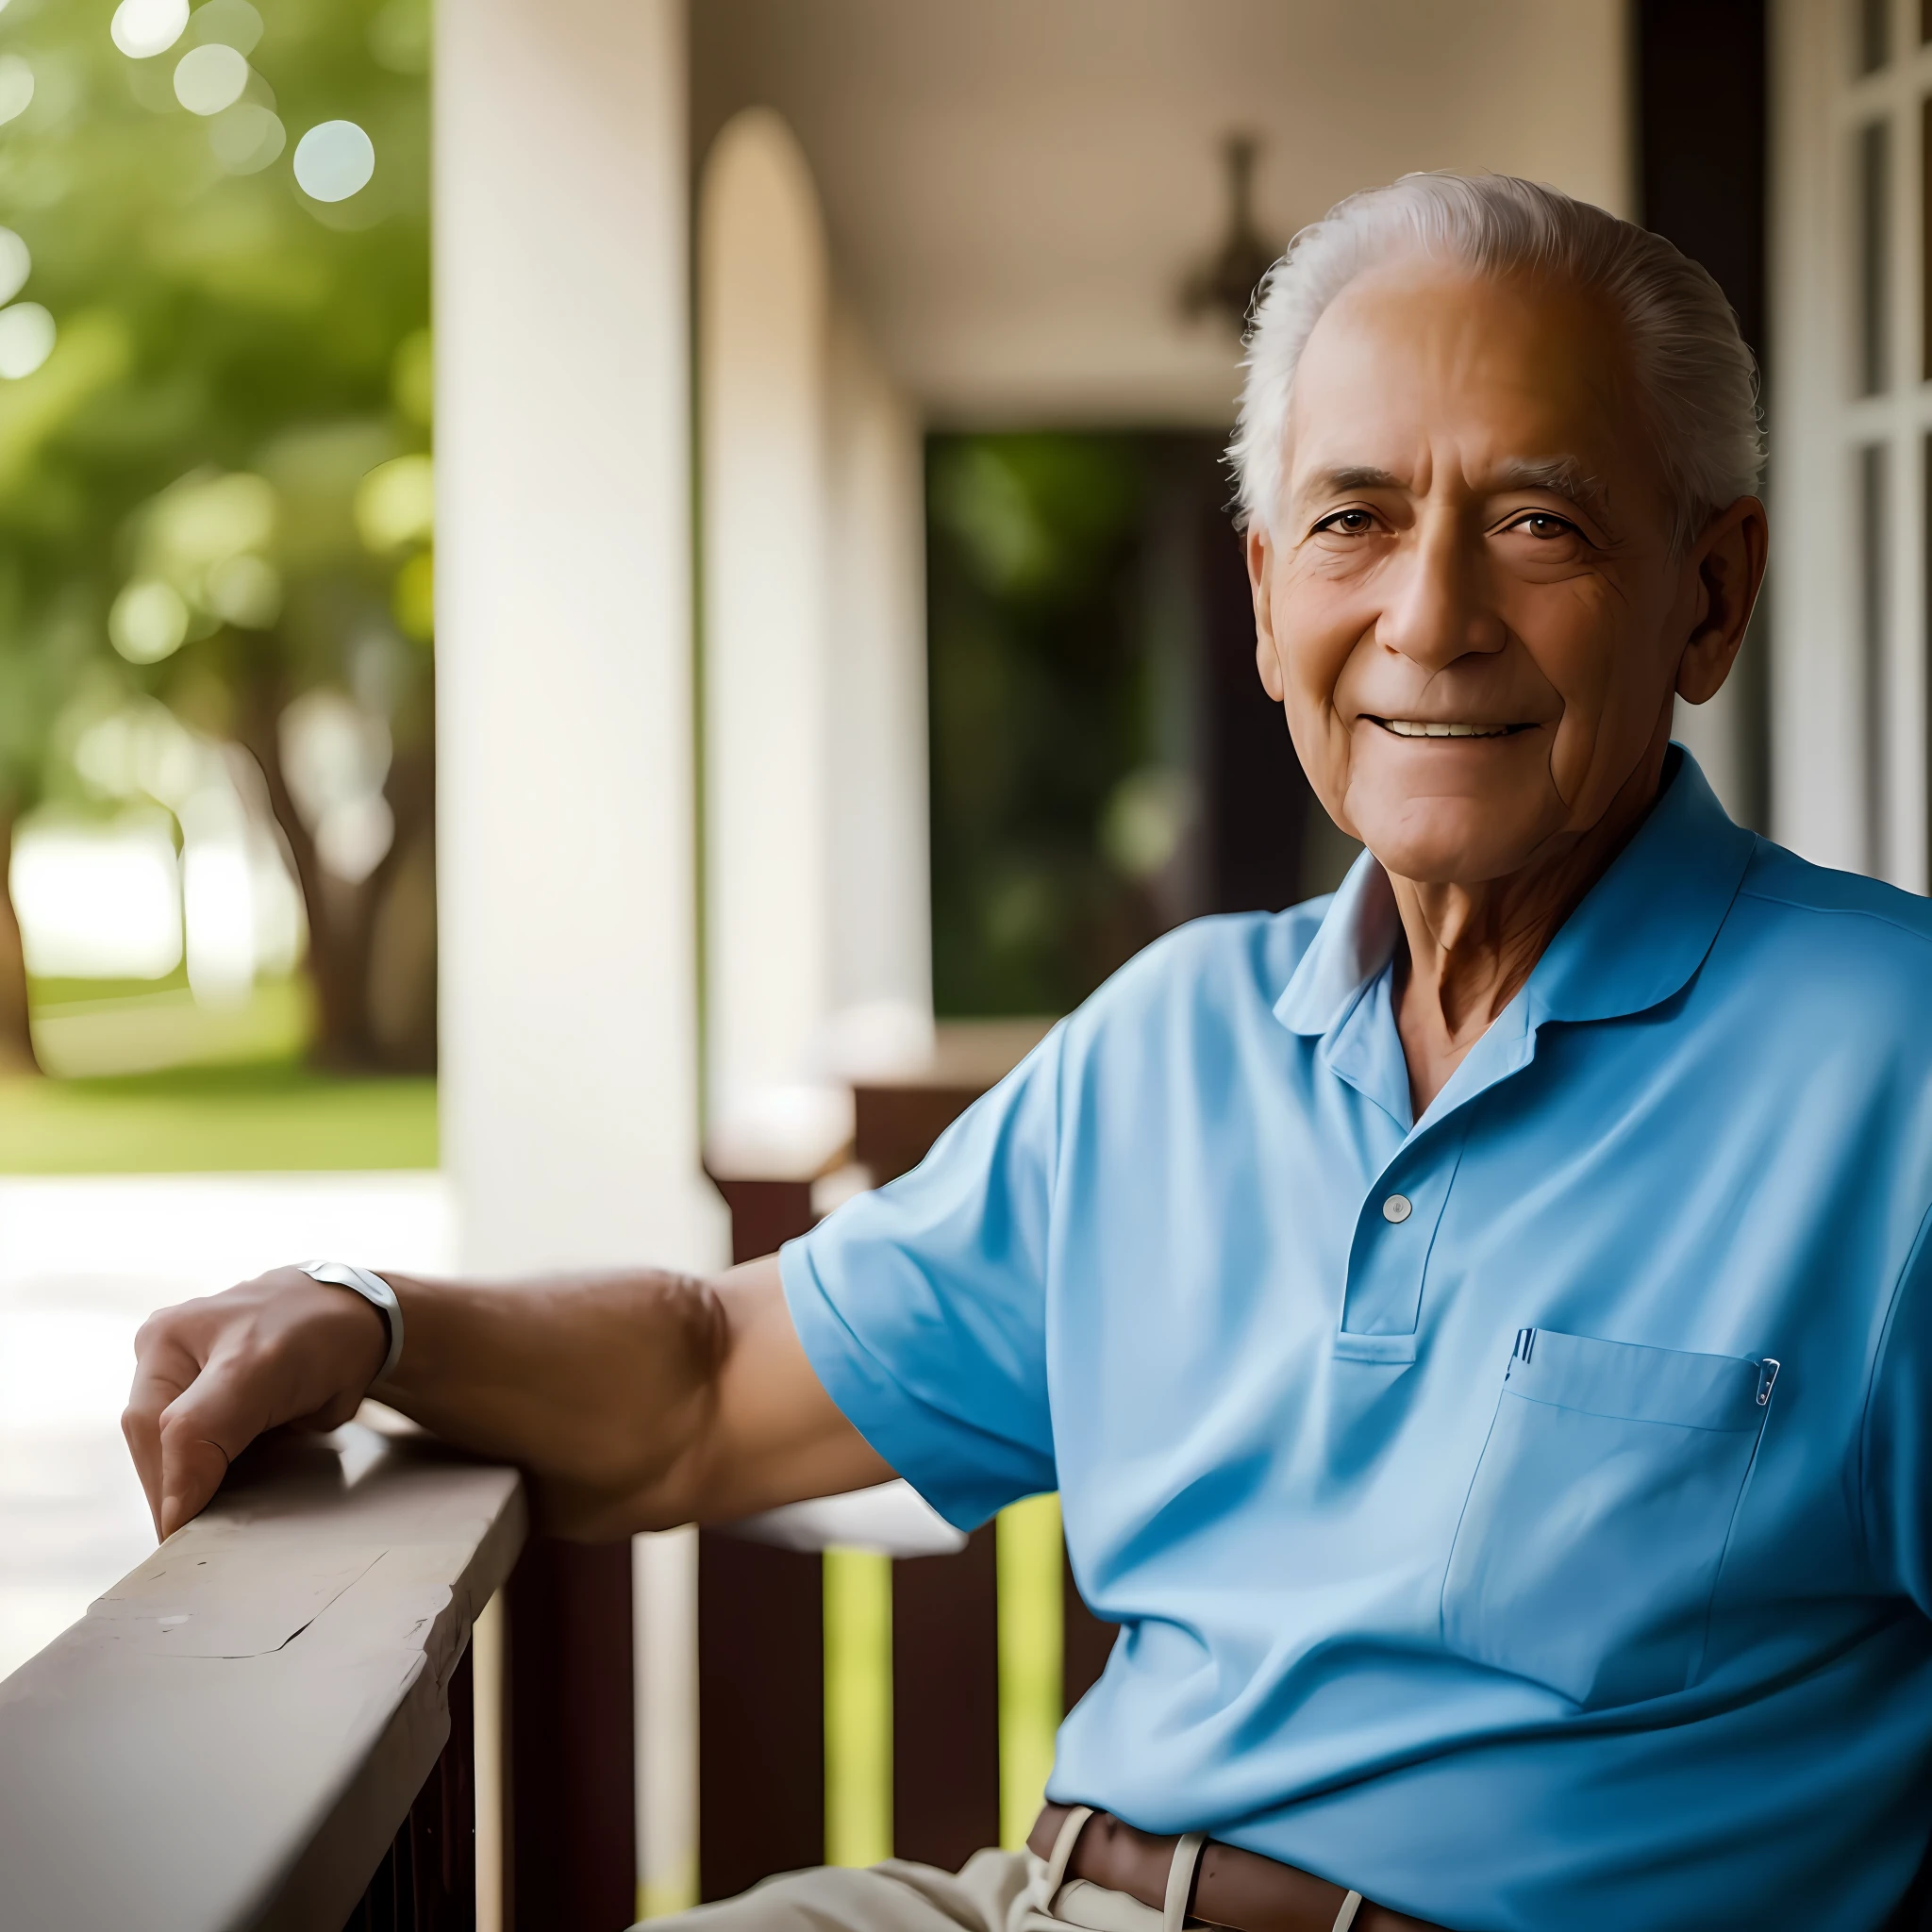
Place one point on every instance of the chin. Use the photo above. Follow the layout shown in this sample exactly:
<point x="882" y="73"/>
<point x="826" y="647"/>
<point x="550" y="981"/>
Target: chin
<point x="1447" y="842"/>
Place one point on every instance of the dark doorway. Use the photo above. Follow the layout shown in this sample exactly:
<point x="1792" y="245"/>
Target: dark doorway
<point x="1704" y="174"/>
<point x="1104" y="763"/>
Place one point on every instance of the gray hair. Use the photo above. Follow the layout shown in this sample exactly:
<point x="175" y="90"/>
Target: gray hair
<point x="1699" y="381"/>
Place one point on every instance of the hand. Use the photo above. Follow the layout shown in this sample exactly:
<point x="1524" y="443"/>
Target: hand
<point x="210" y="1376"/>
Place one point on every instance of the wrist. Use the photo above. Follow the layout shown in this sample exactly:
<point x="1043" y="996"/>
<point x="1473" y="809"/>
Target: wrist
<point x="373" y="1290"/>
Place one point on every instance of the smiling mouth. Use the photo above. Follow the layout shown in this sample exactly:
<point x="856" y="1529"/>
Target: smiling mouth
<point x="1431" y="728"/>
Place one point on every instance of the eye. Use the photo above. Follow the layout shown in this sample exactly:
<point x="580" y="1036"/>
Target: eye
<point x="1349" y="523"/>
<point x="1543" y="526"/>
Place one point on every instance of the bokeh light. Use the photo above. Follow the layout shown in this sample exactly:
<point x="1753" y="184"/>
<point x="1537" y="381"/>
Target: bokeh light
<point x="1146" y="818"/>
<point x="395" y="504"/>
<point x="245" y="590"/>
<point x="336" y="756"/>
<point x="400" y="37"/>
<point x="99" y="901"/>
<point x="139" y="752"/>
<point x="208" y="78"/>
<point x="203" y="520"/>
<point x="201" y="558"/>
<point x="148" y="621"/>
<point x="26" y="339"/>
<point x="142" y="28"/>
<point x="246" y="138"/>
<point x="234" y="23"/>
<point x="16" y="264"/>
<point x="16" y="87"/>
<point x="334" y="161"/>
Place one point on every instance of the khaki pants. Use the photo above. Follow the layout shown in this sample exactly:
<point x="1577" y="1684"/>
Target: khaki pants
<point x="994" y="1891"/>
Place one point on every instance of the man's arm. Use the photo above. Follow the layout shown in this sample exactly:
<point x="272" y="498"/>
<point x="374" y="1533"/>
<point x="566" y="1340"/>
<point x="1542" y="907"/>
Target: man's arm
<point x="633" y="1401"/>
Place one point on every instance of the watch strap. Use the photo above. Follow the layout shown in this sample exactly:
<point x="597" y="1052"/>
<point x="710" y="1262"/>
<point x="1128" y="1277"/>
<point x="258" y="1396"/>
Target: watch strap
<point x="376" y="1292"/>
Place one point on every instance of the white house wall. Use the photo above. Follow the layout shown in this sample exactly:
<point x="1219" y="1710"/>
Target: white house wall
<point x="1829" y="799"/>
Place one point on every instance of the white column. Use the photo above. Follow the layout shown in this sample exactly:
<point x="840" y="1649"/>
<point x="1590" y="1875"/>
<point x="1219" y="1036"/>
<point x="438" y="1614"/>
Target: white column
<point x="763" y="310"/>
<point x="881" y="966"/>
<point x="567" y="887"/>
<point x="567" y="870"/>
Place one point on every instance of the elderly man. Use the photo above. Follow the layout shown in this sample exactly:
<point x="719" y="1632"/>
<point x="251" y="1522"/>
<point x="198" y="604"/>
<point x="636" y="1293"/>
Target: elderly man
<point x="1480" y="1325"/>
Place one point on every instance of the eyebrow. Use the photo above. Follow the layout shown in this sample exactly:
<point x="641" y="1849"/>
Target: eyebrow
<point x="1560" y="475"/>
<point x="1357" y="476"/>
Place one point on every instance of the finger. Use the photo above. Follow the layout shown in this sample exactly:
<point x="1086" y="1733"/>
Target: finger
<point x="164" y="1369"/>
<point x="201" y="1432"/>
<point x="141" y="1431"/>
<point x="192" y="1471"/>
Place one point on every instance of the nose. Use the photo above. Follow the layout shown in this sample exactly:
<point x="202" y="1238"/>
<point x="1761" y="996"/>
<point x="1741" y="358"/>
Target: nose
<point x="1437" y="608"/>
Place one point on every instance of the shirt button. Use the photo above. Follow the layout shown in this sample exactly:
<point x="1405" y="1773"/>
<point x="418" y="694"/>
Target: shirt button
<point x="1397" y="1207"/>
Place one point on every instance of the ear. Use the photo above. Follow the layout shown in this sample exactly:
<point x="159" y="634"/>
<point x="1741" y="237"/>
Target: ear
<point x="1261" y="555"/>
<point x="1728" y="562"/>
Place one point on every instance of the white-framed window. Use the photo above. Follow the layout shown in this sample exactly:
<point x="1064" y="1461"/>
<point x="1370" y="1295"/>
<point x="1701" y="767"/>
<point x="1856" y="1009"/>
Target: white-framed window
<point x="1850" y="396"/>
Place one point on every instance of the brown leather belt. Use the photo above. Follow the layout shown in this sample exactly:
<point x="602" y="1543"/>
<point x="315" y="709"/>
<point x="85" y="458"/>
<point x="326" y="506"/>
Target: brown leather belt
<point x="1239" y="1889"/>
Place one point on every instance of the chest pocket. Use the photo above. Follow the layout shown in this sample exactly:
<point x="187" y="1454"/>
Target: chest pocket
<point x="1590" y="1538"/>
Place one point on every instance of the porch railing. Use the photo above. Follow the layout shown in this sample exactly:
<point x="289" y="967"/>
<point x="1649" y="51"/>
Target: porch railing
<point x="271" y="1708"/>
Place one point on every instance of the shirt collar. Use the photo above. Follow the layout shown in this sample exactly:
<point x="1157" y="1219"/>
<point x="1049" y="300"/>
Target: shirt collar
<point x="1639" y="934"/>
<point x="1356" y="940"/>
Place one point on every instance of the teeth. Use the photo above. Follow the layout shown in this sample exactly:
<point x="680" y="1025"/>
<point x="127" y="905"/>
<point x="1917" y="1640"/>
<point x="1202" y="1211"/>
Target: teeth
<point x="1419" y="727"/>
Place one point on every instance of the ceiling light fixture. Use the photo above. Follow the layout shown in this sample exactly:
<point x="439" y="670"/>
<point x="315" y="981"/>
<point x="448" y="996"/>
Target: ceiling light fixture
<point x="1224" y="283"/>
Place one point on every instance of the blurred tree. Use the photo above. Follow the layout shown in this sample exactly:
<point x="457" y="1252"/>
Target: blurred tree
<point x="215" y="486"/>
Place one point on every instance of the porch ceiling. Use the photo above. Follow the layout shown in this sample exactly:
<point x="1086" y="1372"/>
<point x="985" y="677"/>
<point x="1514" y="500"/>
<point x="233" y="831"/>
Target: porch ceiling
<point x="1015" y="187"/>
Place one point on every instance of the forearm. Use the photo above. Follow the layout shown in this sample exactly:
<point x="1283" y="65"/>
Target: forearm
<point x="605" y="1388"/>
<point x="633" y="1401"/>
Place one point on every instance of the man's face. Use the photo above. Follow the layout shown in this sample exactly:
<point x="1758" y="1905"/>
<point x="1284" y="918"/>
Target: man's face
<point x="1472" y="535"/>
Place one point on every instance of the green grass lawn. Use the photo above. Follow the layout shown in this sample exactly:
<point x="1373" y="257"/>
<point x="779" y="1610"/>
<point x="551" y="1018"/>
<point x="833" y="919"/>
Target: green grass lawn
<point x="260" y="1118"/>
<point x="144" y="1079"/>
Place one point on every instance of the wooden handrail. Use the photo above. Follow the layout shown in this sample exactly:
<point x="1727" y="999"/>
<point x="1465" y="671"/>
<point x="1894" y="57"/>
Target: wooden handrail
<point x="232" y="1736"/>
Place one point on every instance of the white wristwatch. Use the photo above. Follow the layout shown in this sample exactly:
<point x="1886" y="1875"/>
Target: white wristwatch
<point x="372" y="1288"/>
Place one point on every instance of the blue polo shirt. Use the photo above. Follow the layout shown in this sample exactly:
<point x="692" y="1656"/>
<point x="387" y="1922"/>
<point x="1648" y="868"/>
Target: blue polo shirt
<point x="1521" y="1514"/>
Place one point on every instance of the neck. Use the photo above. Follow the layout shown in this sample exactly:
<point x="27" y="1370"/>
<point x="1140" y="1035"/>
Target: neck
<point x="1470" y="948"/>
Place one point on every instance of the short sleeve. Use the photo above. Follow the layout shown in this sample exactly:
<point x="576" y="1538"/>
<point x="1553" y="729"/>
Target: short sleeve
<point x="922" y="1305"/>
<point x="1898" y="1436"/>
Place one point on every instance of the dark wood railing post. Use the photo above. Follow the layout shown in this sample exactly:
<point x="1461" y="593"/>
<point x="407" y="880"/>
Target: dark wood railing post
<point x="571" y="1844"/>
<point x="761" y="1714"/>
<point x="946" y="1705"/>
<point x="761" y="1652"/>
<point x="427" y="1879"/>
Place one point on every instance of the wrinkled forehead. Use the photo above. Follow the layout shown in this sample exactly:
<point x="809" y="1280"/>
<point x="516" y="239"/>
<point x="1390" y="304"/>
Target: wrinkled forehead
<point x="1419" y="363"/>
